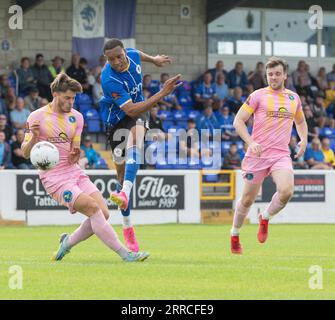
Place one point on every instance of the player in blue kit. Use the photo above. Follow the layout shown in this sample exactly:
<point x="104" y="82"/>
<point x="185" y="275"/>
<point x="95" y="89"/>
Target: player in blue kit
<point x="124" y="112"/>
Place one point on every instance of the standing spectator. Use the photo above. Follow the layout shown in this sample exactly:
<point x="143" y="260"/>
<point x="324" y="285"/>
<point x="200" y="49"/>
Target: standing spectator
<point x="19" y="161"/>
<point x="19" y="115"/>
<point x="301" y="79"/>
<point x="328" y="152"/>
<point x="237" y="77"/>
<point x="97" y="92"/>
<point x="221" y="89"/>
<point x="6" y="128"/>
<point x="322" y="79"/>
<point x="257" y="77"/>
<point x="26" y="76"/>
<point x="33" y="100"/>
<point x="235" y="102"/>
<point x="42" y="76"/>
<point x="56" y="66"/>
<point x="320" y="113"/>
<point x="205" y="94"/>
<point x="331" y="75"/>
<point x="226" y="121"/>
<point x="219" y="69"/>
<point x="314" y="156"/>
<point x="313" y="130"/>
<point x="232" y="159"/>
<point x="298" y="163"/>
<point x="90" y="79"/>
<point x="5" y="153"/>
<point x="75" y="71"/>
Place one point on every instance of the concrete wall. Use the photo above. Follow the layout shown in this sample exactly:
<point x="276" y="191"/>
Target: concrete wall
<point x="47" y="28"/>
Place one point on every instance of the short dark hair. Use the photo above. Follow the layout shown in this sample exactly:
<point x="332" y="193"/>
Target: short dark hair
<point x="113" y="43"/>
<point x="274" y="62"/>
<point x="63" y="82"/>
<point x="39" y="55"/>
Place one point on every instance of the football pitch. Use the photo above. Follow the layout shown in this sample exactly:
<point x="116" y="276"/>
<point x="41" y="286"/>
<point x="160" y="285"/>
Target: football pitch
<point x="187" y="262"/>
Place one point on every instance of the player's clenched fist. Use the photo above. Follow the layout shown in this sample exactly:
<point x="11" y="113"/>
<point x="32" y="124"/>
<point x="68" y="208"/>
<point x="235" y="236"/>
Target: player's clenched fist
<point x="256" y="148"/>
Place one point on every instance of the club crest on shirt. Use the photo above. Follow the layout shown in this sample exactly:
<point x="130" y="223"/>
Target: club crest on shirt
<point x="249" y="176"/>
<point x="67" y="196"/>
<point x="138" y="69"/>
<point x="291" y="97"/>
<point x="72" y="119"/>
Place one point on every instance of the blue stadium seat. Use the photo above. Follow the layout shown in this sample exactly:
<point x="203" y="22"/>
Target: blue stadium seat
<point x="165" y="115"/>
<point x="210" y="178"/>
<point x="167" y="124"/>
<point x="193" y="114"/>
<point x="327" y="132"/>
<point x="179" y="116"/>
<point x="225" y="145"/>
<point x="101" y="164"/>
<point x="92" y="120"/>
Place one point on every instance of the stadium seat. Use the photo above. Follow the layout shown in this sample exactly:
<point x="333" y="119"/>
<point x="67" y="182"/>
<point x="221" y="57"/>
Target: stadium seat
<point x="193" y="114"/>
<point x="92" y="120"/>
<point x="165" y="115"/>
<point x="101" y="164"/>
<point x="179" y="116"/>
<point x="327" y="132"/>
<point x="225" y="145"/>
<point x="210" y="178"/>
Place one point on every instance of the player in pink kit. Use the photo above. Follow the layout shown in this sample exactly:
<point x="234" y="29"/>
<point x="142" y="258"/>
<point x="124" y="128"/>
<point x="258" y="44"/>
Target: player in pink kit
<point x="274" y="108"/>
<point x="67" y="183"/>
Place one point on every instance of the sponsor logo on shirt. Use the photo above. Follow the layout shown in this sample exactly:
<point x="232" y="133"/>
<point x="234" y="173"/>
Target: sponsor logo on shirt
<point x="281" y="113"/>
<point x="62" y="138"/>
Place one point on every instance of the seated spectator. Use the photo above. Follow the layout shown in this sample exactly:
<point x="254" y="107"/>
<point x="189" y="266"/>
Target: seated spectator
<point x="232" y="159"/>
<point x="221" y="89"/>
<point x="18" y="160"/>
<point x="83" y="161"/>
<point x="219" y="69"/>
<point x="237" y="77"/>
<point x="56" y="66"/>
<point x="205" y="94"/>
<point x="320" y="113"/>
<point x="3" y="107"/>
<point x="257" y="77"/>
<point x="191" y="146"/>
<point x="314" y="156"/>
<point x="5" y="153"/>
<point x="5" y="87"/>
<point x="91" y="155"/>
<point x="298" y="163"/>
<point x="301" y="79"/>
<point x="208" y="121"/>
<point x="235" y="102"/>
<point x="331" y="75"/>
<point x="150" y="85"/>
<point x="33" y="100"/>
<point x="6" y="128"/>
<point x="289" y="82"/>
<point x="19" y="115"/>
<point x="322" y="79"/>
<point x="42" y="76"/>
<point x="328" y="152"/>
<point x="313" y="130"/>
<point x="170" y="101"/>
<point x="249" y="89"/>
<point x="226" y="121"/>
<point x="97" y="92"/>
<point x="243" y="151"/>
<point x="26" y="76"/>
<point x="76" y="72"/>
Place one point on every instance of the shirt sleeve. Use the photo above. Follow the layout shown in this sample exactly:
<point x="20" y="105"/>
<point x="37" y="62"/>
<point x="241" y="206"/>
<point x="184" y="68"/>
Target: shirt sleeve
<point x="118" y="94"/>
<point x="79" y="129"/>
<point x="27" y="132"/>
<point x="251" y="104"/>
<point x="198" y="91"/>
<point x="299" y="115"/>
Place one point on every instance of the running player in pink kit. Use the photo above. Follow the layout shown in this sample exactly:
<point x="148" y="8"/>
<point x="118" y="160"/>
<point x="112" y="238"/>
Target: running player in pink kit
<point x="67" y="183"/>
<point x="274" y="109"/>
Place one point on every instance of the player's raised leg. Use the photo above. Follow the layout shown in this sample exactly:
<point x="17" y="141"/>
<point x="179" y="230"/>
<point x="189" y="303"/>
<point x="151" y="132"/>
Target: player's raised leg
<point x="284" y="180"/>
<point x="250" y="191"/>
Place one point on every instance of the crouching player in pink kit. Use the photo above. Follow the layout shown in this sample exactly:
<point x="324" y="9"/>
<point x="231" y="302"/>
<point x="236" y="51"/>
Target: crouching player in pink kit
<point x="61" y="125"/>
<point x="274" y="109"/>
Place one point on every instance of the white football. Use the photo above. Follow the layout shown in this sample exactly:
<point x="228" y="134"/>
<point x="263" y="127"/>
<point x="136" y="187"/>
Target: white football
<point x="44" y="155"/>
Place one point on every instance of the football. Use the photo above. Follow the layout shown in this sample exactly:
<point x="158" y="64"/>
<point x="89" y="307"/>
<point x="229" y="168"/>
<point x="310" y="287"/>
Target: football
<point x="44" y="155"/>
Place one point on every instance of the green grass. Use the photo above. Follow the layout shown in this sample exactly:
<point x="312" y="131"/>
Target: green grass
<point x="187" y="262"/>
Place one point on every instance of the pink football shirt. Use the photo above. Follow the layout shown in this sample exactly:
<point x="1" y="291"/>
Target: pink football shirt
<point x="274" y="112"/>
<point x="61" y="129"/>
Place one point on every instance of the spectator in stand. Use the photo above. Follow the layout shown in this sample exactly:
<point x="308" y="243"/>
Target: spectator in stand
<point x="97" y="92"/>
<point x="208" y="121"/>
<point x="257" y="77"/>
<point x="97" y="70"/>
<point x="76" y="72"/>
<point x="19" y="115"/>
<point x="331" y="75"/>
<point x="18" y="160"/>
<point x="243" y="151"/>
<point x="26" y="76"/>
<point x="205" y="94"/>
<point x="322" y="79"/>
<point x="237" y="77"/>
<point x="5" y="153"/>
<point x="301" y="79"/>
<point x="289" y="82"/>
<point x="43" y="102"/>
<point x="3" y="107"/>
<point x="5" y="87"/>
<point x="42" y="76"/>
<point x="320" y="113"/>
<point x="313" y="130"/>
<point x="6" y="128"/>
<point x="235" y="102"/>
<point x="226" y="121"/>
<point x="191" y="146"/>
<point x="232" y="159"/>
<point x="314" y="156"/>
<point x="221" y="89"/>
<point x="33" y="100"/>
<point x="56" y="66"/>
<point x="298" y="163"/>
<point x="91" y="155"/>
<point x="218" y="70"/>
<point x="90" y="79"/>
<point x="169" y="102"/>
<point x="328" y="152"/>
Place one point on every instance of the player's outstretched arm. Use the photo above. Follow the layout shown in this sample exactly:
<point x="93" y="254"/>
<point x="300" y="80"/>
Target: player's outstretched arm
<point x="134" y="110"/>
<point x="31" y="139"/>
<point x="242" y="130"/>
<point x="158" y="60"/>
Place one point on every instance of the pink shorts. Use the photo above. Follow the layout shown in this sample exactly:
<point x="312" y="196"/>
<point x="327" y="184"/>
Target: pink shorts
<point x="67" y="192"/>
<point x="255" y="170"/>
